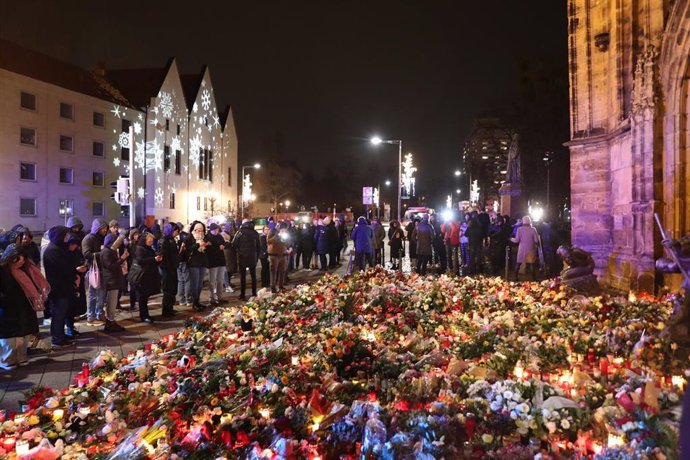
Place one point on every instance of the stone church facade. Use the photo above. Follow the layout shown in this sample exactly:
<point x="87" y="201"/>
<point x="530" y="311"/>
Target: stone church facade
<point x="629" y="65"/>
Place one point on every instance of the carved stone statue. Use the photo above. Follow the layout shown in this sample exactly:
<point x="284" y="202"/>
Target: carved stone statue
<point x="578" y="270"/>
<point x="679" y="322"/>
<point x="514" y="174"/>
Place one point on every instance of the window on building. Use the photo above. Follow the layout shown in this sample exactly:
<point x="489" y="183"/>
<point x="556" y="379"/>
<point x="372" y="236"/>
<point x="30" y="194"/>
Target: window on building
<point x="124" y="154"/>
<point x="27" y="207"/>
<point x="166" y="158"/>
<point x="178" y="129"/>
<point x="98" y="179"/>
<point x="167" y="124"/>
<point x="97" y="209"/>
<point x="230" y="176"/>
<point x="27" y="136"/>
<point x="205" y="165"/>
<point x="178" y="161"/>
<point x="66" y="111"/>
<point x="172" y="200"/>
<point x="66" y="176"/>
<point x="98" y="149"/>
<point x="205" y="204"/>
<point x="27" y="171"/>
<point x="125" y="125"/>
<point x="198" y="203"/>
<point x="28" y="101"/>
<point x="99" y="119"/>
<point x="66" y="143"/>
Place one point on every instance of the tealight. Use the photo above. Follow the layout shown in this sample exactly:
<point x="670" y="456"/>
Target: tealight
<point x="615" y="440"/>
<point x="678" y="381"/>
<point x="22" y="447"/>
<point x="265" y="412"/>
<point x="58" y="414"/>
<point x="8" y="443"/>
<point x="519" y="371"/>
<point x="85" y="410"/>
<point x="295" y="360"/>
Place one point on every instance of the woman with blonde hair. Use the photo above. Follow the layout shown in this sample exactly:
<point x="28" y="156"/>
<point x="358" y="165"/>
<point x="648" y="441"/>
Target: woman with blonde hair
<point x="527" y="240"/>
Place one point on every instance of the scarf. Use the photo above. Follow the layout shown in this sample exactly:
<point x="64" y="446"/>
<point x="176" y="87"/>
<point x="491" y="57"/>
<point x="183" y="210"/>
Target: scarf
<point x="33" y="283"/>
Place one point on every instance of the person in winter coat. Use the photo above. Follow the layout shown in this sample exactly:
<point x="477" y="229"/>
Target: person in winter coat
<point x="184" y="284"/>
<point x="64" y="279"/>
<point x="78" y="303"/>
<point x="29" y="248"/>
<point x="263" y="256"/>
<point x="438" y="245"/>
<point x="91" y="248"/>
<point x="278" y="251"/>
<point x="112" y="278"/>
<point x="24" y="290"/>
<point x="474" y="240"/>
<point x="396" y="237"/>
<point x="409" y="229"/>
<point x="527" y="240"/>
<point x="215" y="251"/>
<point x="168" y="267"/>
<point x="333" y="242"/>
<point x="131" y="243"/>
<point x="198" y="261"/>
<point x="150" y="282"/>
<point x="379" y="237"/>
<point x="451" y="238"/>
<point x="322" y="243"/>
<point x="306" y="244"/>
<point x="424" y="236"/>
<point x="76" y="232"/>
<point x="230" y="253"/>
<point x="248" y="248"/>
<point x="362" y="235"/>
<point x="342" y="233"/>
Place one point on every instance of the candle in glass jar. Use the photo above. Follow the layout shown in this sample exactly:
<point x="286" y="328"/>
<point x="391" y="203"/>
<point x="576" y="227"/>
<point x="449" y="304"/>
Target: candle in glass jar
<point x="8" y="443"/>
<point x="22" y="447"/>
<point x="604" y="366"/>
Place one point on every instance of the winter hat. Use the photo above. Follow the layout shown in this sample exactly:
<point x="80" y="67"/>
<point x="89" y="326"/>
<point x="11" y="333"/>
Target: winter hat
<point x="361" y="220"/>
<point x="110" y="238"/>
<point x="98" y="224"/>
<point x="213" y="226"/>
<point x="113" y="223"/>
<point x="75" y="222"/>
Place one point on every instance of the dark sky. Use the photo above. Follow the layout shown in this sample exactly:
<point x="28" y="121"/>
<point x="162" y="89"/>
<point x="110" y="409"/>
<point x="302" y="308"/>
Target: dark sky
<point x="318" y="78"/>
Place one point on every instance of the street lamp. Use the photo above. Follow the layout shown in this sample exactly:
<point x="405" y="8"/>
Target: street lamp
<point x="548" y="159"/>
<point x="457" y="173"/>
<point x="244" y="198"/>
<point x="388" y="183"/>
<point x="377" y="141"/>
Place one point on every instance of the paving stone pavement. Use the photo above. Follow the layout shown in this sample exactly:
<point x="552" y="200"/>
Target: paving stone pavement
<point x="56" y="369"/>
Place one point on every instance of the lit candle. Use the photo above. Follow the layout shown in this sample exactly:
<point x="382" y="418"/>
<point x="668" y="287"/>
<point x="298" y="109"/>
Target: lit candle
<point x="604" y="366"/>
<point x="19" y="419"/>
<point x="22" y="447"/>
<point x="265" y="412"/>
<point x="295" y="360"/>
<point x="678" y="381"/>
<point x="57" y="414"/>
<point x="317" y="423"/>
<point x="8" y="443"/>
<point x="615" y="440"/>
<point x="85" y="410"/>
<point x="519" y="371"/>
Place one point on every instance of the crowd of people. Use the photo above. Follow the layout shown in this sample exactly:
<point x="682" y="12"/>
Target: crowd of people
<point x="80" y="275"/>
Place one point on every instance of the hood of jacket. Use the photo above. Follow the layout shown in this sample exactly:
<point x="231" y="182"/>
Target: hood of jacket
<point x="97" y="224"/>
<point x="75" y="221"/>
<point x="56" y="235"/>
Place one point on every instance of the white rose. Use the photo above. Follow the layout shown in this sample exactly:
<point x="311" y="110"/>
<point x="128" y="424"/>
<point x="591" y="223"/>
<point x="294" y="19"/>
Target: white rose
<point x="546" y="413"/>
<point x="487" y="438"/>
<point x="508" y="394"/>
<point x="551" y="427"/>
<point x="565" y="424"/>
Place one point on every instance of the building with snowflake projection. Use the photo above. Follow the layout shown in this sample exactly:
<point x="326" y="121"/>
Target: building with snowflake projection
<point x="63" y="140"/>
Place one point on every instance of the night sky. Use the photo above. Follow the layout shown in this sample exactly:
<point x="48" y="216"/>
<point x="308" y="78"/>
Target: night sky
<point x="312" y="81"/>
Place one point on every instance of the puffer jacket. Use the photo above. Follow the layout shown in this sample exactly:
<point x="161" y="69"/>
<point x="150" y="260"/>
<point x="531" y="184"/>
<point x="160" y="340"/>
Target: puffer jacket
<point x="111" y="270"/>
<point x="321" y="240"/>
<point x="362" y="235"/>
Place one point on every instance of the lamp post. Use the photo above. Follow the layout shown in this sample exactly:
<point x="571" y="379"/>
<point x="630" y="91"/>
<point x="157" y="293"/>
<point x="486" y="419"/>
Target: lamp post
<point x="376" y="141"/>
<point x="244" y="198"/>
<point x="548" y="159"/>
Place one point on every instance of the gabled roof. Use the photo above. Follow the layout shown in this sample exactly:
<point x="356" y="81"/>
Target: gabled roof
<point x="24" y="61"/>
<point x="191" y="84"/>
<point x="140" y="85"/>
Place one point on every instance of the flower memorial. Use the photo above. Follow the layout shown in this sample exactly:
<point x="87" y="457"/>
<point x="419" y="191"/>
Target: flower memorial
<point x="379" y="365"/>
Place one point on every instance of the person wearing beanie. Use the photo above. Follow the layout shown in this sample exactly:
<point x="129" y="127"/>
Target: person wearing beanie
<point x="112" y="279"/>
<point x="216" y="264"/>
<point x="321" y="242"/>
<point x="362" y="235"/>
<point x="64" y="278"/>
<point x="169" y="265"/>
<point x="91" y="248"/>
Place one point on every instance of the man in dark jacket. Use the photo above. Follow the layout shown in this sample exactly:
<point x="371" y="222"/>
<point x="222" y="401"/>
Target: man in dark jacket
<point x="76" y="231"/>
<point x="91" y="247"/>
<point x="306" y="245"/>
<point x="247" y="245"/>
<point x="362" y="236"/>
<point x="216" y="263"/>
<point x="440" y="255"/>
<point x="63" y="278"/>
<point x="184" y="285"/>
<point x="168" y="267"/>
<point x="322" y="244"/>
<point x="423" y="234"/>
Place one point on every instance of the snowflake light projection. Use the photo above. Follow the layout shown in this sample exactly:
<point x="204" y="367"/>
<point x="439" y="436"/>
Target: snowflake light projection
<point x="140" y="156"/>
<point x="194" y="149"/>
<point x="123" y="140"/>
<point x="206" y="99"/>
<point x="154" y="153"/>
<point x="140" y="193"/>
<point x="195" y="108"/>
<point x="165" y="104"/>
<point x="408" y="180"/>
<point x="116" y="162"/>
<point x="175" y="144"/>
<point x="158" y="196"/>
<point x="116" y="111"/>
<point x="137" y="127"/>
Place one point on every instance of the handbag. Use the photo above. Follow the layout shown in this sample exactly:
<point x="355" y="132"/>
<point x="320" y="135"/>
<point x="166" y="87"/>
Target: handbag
<point x="135" y="274"/>
<point x="95" y="274"/>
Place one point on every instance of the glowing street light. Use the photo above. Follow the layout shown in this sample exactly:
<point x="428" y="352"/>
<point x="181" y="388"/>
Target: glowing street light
<point x="388" y="182"/>
<point x="378" y="141"/>
<point x="458" y="191"/>
<point x="458" y="173"/>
